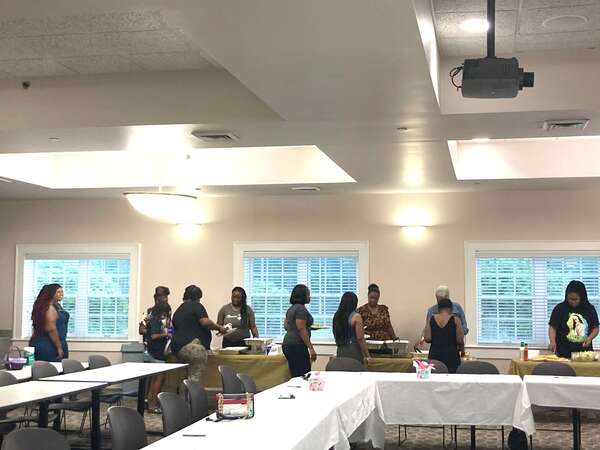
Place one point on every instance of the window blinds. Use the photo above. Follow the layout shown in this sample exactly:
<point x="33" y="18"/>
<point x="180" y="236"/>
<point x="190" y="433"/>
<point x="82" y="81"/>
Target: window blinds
<point x="269" y="280"/>
<point x="516" y="295"/>
<point x="96" y="293"/>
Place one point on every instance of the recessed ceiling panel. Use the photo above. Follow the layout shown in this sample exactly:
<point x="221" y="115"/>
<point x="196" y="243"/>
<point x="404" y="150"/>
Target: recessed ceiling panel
<point x="537" y="158"/>
<point x="178" y="167"/>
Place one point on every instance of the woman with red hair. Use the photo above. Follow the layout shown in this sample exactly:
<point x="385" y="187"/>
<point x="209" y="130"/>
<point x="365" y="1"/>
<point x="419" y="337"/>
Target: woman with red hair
<point x="50" y="324"/>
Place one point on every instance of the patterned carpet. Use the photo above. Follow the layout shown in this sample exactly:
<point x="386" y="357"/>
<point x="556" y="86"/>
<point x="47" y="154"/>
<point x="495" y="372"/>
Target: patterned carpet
<point x="418" y="438"/>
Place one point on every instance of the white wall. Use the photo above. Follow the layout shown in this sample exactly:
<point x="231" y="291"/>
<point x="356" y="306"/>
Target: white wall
<point x="407" y="271"/>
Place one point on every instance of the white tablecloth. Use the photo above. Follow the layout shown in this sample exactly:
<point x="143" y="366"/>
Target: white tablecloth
<point x="485" y="400"/>
<point x="357" y="406"/>
<point x="559" y="392"/>
<point x="311" y="421"/>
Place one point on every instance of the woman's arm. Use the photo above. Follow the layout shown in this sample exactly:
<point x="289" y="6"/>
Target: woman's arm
<point x="390" y="328"/>
<point x="207" y="323"/>
<point x="427" y="332"/>
<point x="591" y="336"/>
<point x="552" y="338"/>
<point x="159" y="336"/>
<point x="252" y="323"/>
<point x="51" y="317"/>
<point x="357" y="323"/>
<point x="301" y="326"/>
<point x="221" y="317"/>
<point x="460" y="334"/>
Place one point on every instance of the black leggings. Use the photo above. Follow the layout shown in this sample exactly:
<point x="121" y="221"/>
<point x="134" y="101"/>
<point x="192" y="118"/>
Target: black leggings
<point x="298" y="359"/>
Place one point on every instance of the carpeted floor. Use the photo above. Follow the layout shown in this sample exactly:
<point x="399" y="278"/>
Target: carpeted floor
<point x="418" y="438"/>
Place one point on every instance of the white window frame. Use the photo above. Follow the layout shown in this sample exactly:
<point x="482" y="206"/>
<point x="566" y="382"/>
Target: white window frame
<point x="84" y="251"/>
<point x="473" y="249"/>
<point x="302" y="248"/>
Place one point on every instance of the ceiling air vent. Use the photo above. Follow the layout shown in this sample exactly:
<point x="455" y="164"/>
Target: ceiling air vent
<point x="215" y="136"/>
<point x="571" y="124"/>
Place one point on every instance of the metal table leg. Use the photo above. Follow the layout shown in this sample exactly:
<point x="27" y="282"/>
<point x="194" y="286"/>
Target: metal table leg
<point x="141" y="395"/>
<point x="473" y="441"/>
<point x="576" y="438"/>
<point x="43" y="415"/>
<point x="95" y="431"/>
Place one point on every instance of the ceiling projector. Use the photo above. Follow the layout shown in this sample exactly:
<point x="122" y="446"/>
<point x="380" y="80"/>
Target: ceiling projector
<point x="491" y="77"/>
<point x="494" y="78"/>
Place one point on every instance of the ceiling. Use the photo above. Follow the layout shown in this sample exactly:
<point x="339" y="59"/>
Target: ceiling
<point x="275" y="73"/>
<point x="93" y="43"/>
<point x="521" y="25"/>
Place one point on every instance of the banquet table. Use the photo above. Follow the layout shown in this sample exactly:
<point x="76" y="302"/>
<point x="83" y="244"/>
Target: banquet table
<point x="355" y="407"/>
<point x="119" y="373"/>
<point x="24" y="374"/>
<point x="582" y="369"/>
<point x="561" y="392"/>
<point x="310" y="421"/>
<point x="266" y="371"/>
<point x="450" y="399"/>
<point x="42" y="392"/>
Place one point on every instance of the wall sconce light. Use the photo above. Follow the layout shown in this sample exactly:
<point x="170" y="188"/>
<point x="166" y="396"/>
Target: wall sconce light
<point x="414" y="232"/>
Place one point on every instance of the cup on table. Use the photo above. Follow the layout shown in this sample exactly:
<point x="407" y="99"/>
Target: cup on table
<point x="423" y="374"/>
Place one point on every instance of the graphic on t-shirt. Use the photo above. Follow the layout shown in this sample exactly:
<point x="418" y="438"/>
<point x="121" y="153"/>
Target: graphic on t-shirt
<point x="577" y="326"/>
<point x="234" y="320"/>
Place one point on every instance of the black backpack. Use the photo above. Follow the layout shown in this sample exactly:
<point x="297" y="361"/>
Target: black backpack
<point x="517" y="440"/>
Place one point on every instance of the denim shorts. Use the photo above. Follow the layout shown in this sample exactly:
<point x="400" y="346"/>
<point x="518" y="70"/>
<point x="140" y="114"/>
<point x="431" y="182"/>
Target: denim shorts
<point x="148" y="358"/>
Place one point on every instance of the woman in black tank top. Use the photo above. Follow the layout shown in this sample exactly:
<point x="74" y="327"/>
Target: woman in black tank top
<point x="444" y="332"/>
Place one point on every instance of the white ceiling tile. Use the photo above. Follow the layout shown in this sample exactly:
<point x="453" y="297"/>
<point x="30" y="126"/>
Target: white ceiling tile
<point x="448" y="24"/>
<point x="556" y="3"/>
<point x="5" y="75"/>
<point x="156" y="41"/>
<point x="471" y="5"/>
<point x="557" y="41"/>
<point x="83" y="23"/>
<point x="474" y="47"/>
<point x="532" y="21"/>
<point x="34" y="68"/>
<point x="68" y="45"/>
<point x="171" y="61"/>
<point x="100" y="64"/>
<point x="15" y="48"/>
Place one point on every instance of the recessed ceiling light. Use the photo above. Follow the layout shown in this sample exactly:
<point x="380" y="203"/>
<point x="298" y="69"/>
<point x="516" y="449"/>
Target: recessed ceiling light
<point x="54" y="138"/>
<point x="565" y="22"/>
<point x="5" y="180"/>
<point x="474" y="25"/>
<point x="480" y="140"/>
<point x="306" y="188"/>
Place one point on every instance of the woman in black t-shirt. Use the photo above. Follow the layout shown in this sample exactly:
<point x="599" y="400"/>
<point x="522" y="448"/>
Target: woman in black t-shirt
<point x="192" y="337"/>
<point x="156" y="338"/>
<point x="573" y="323"/>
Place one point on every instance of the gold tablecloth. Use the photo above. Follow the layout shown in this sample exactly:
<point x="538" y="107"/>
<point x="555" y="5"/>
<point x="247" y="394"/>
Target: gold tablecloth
<point x="582" y="369"/>
<point x="390" y="364"/>
<point x="266" y="371"/>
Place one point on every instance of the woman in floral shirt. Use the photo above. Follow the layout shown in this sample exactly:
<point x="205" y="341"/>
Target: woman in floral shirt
<point x="376" y="317"/>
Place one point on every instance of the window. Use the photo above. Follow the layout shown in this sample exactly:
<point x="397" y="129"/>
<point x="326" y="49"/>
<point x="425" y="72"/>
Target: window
<point x="100" y="288"/>
<point x="328" y="270"/>
<point x="516" y="290"/>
